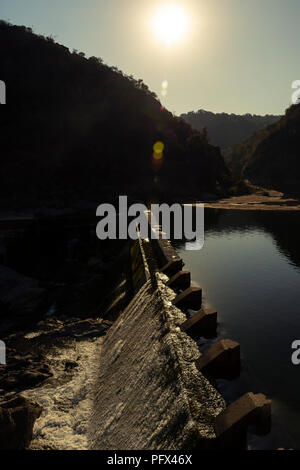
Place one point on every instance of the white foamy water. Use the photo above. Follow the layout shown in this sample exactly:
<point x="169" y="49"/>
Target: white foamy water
<point x="66" y="398"/>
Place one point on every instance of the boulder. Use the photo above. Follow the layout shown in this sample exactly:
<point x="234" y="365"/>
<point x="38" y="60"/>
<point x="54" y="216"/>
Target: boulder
<point x="17" y="417"/>
<point x="21" y="300"/>
<point x="73" y="299"/>
<point x="22" y="372"/>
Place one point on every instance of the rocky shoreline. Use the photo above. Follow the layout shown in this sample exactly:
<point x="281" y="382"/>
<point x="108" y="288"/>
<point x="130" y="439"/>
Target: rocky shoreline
<point x="50" y="327"/>
<point x="261" y="201"/>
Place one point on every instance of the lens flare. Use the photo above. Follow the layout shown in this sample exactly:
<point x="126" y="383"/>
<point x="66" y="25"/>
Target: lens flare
<point x="158" y="155"/>
<point x="164" y="88"/>
<point x="158" y="147"/>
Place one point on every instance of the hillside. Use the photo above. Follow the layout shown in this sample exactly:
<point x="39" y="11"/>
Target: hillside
<point x="271" y="156"/>
<point x="225" y="130"/>
<point x="75" y="129"/>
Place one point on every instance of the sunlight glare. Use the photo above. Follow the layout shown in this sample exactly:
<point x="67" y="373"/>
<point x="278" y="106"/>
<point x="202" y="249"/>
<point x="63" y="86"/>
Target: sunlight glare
<point x="170" y="23"/>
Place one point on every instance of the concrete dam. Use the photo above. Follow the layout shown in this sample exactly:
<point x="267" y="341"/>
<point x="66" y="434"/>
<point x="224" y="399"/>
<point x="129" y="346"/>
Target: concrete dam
<point x="134" y="379"/>
<point x="153" y="389"/>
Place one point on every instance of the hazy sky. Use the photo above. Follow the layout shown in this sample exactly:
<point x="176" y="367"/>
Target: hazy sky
<point x="237" y="56"/>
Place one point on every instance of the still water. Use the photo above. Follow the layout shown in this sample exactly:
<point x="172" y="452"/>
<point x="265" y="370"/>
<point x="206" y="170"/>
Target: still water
<point x="249" y="270"/>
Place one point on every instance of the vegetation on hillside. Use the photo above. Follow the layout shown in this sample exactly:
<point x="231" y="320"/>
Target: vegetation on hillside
<point x="76" y="129"/>
<point x="271" y="156"/>
<point x="226" y="130"/>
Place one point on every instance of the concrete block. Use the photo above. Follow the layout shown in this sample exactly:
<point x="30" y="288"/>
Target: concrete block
<point x="181" y="280"/>
<point x="172" y="267"/>
<point x="232" y="424"/>
<point x="165" y="251"/>
<point x="190" y="298"/>
<point x="203" y="323"/>
<point x="222" y="360"/>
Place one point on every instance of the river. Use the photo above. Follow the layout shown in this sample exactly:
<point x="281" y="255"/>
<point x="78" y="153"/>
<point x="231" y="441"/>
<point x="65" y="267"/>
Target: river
<point x="249" y="270"/>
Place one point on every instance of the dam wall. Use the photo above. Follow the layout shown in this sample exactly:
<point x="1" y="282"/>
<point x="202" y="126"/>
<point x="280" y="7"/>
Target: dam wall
<point x="149" y="393"/>
<point x="153" y="389"/>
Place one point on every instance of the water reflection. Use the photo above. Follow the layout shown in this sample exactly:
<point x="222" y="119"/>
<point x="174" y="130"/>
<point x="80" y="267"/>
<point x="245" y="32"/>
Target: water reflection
<point x="249" y="270"/>
<point x="283" y="226"/>
<point x="285" y="230"/>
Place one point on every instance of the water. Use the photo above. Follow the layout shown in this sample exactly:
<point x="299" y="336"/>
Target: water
<point x="249" y="270"/>
<point x="67" y="398"/>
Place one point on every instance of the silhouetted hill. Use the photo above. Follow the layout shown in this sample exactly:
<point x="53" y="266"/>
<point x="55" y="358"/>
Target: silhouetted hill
<point x="74" y="128"/>
<point x="271" y="156"/>
<point x="225" y="130"/>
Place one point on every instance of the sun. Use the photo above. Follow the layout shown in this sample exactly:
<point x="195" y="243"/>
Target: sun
<point x="170" y="23"/>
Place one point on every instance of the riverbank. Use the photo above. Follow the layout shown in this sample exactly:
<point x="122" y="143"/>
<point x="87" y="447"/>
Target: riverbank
<point x="264" y="201"/>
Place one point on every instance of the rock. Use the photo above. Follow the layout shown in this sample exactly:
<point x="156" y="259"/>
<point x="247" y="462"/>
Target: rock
<point x="31" y="378"/>
<point x="89" y="328"/>
<point x="71" y="271"/>
<point x="17" y="417"/>
<point x="70" y="365"/>
<point x="73" y="299"/>
<point x="22" y="300"/>
<point x="23" y="372"/>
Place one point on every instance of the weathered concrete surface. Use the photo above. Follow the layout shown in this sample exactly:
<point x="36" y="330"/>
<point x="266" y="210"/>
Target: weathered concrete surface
<point x="221" y="360"/>
<point x="172" y="267"/>
<point x="190" y="298"/>
<point x="249" y="410"/>
<point x="165" y="252"/>
<point x="203" y="323"/>
<point x="139" y="267"/>
<point x="181" y="280"/>
<point x="149" y="393"/>
<point x="168" y="259"/>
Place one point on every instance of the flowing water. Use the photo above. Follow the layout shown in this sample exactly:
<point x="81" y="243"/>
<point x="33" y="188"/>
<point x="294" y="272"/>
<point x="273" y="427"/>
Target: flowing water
<point x="249" y="270"/>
